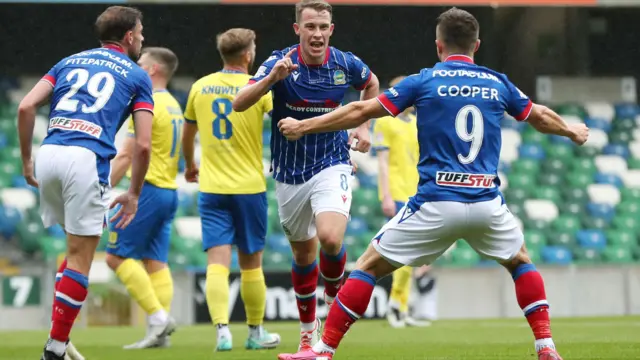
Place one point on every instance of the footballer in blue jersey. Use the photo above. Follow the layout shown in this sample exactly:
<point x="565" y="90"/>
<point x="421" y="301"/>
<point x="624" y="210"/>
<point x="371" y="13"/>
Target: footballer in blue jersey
<point x="460" y="106"/>
<point x="313" y="173"/>
<point x="91" y="94"/>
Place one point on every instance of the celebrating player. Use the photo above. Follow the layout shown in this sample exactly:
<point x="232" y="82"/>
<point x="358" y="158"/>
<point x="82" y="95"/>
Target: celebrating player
<point x="396" y="144"/>
<point x="460" y="106"/>
<point x="233" y="200"/>
<point x="92" y="93"/>
<point x="147" y="237"/>
<point x="312" y="173"/>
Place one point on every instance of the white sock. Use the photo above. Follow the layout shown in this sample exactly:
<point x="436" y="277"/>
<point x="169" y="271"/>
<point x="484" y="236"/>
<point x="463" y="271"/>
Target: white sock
<point x="255" y="331"/>
<point x="159" y="317"/>
<point x="322" y="348"/>
<point x="308" y="326"/>
<point x="56" y="347"/>
<point x="543" y="343"/>
<point x="223" y="331"/>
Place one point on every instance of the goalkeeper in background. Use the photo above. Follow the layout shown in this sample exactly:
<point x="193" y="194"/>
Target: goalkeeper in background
<point x="396" y="143"/>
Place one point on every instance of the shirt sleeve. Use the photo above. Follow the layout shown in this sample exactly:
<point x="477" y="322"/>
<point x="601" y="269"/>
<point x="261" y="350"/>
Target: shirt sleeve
<point x="51" y="77"/>
<point x="381" y="139"/>
<point x="396" y="99"/>
<point x="518" y="104"/>
<point x="360" y="72"/>
<point x="266" y="67"/>
<point x="144" y="95"/>
<point x="190" y="109"/>
<point x="267" y="103"/>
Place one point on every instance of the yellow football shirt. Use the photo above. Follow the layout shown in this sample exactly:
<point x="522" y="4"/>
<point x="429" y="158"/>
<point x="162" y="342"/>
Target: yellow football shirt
<point x="166" y="136"/>
<point x="231" y="142"/>
<point x="400" y="137"/>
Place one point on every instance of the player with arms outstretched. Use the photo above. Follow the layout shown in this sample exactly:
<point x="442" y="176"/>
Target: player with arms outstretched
<point x="92" y="93"/>
<point x="460" y="106"/>
<point x="148" y="236"/>
<point x="312" y="173"/>
<point x="233" y="199"/>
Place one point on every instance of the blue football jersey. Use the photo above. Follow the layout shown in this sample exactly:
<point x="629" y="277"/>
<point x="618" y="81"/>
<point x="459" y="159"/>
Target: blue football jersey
<point x="460" y="106"/>
<point x="94" y="92"/>
<point x="310" y="91"/>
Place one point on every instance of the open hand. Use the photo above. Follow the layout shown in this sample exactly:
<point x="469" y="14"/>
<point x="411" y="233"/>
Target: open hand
<point x="361" y="134"/>
<point x="128" y="207"/>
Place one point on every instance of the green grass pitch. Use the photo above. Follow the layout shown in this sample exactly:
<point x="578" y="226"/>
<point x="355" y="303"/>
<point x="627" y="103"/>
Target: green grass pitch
<point x="576" y="339"/>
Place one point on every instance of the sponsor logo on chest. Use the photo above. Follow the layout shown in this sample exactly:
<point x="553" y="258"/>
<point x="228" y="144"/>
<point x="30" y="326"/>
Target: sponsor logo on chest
<point x="485" y="181"/>
<point x="80" y="125"/>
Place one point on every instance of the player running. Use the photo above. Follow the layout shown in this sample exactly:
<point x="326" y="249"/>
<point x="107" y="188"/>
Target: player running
<point x="312" y="173"/>
<point x="147" y="237"/>
<point x="460" y="106"/>
<point x="92" y="93"/>
<point x="232" y="200"/>
<point x="396" y="144"/>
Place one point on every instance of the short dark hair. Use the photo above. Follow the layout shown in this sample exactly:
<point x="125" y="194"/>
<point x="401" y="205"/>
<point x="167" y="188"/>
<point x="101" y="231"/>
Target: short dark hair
<point x="317" y="5"/>
<point x="233" y="42"/>
<point x="114" y="22"/>
<point x="165" y="57"/>
<point x="458" y="29"/>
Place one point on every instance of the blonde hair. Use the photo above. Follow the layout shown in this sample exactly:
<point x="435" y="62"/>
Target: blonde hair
<point x="317" y="5"/>
<point x="164" y="57"/>
<point x="233" y="43"/>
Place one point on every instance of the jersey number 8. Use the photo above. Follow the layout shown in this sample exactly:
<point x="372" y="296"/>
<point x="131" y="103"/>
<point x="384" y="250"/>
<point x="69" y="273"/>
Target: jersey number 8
<point x="222" y="128"/>
<point x="475" y="136"/>
<point x="101" y="95"/>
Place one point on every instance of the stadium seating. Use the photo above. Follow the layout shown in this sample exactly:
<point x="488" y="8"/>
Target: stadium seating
<point x="578" y="205"/>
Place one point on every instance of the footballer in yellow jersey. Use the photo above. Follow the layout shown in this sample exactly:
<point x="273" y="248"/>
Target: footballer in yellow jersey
<point x="232" y="200"/>
<point x="396" y="142"/>
<point x="147" y="237"/>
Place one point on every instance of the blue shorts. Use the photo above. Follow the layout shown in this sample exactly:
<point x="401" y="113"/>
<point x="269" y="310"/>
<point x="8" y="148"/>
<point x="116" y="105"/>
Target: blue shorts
<point x="239" y="220"/>
<point x="148" y="236"/>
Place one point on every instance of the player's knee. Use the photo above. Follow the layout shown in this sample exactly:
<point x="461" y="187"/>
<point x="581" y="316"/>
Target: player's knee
<point x="113" y="261"/>
<point x="250" y="261"/>
<point x="522" y="257"/>
<point x="330" y="240"/>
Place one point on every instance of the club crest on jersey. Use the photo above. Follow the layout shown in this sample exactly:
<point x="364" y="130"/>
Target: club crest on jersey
<point x="339" y="78"/>
<point x="444" y="178"/>
<point x="67" y="124"/>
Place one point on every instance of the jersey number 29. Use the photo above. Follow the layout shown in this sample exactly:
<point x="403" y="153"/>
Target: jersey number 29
<point x="475" y="136"/>
<point x="101" y="94"/>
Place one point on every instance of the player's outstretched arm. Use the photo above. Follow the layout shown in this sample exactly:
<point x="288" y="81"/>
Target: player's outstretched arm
<point x="347" y="117"/>
<point x="121" y="163"/>
<point x="143" y="121"/>
<point x="27" y="109"/>
<point x="548" y="121"/>
<point x="188" y="150"/>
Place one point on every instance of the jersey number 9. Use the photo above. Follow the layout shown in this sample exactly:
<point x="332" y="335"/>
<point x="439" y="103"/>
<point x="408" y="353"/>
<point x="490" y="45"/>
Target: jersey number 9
<point x="475" y="136"/>
<point x="101" y="94"/>
<point x="222" y="128"/>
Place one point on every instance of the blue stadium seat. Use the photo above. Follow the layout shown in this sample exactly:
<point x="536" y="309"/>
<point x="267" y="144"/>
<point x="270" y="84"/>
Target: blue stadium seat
<point x="181" y="163"/>
<point x="616" y="149"/>
<point x="9" y="219"/>
<point x="56" y="231"/>
<point x="556" y="255"/>
<point x="278" y="243"/>
<point x="235" y="264"/>
<point x="509" y="123"/>
<point x="610" y="179"/>
<point x="603" y="211"/>
<point x="628" y="111"/>
<point x="595" y="123"/>
<point x="555" y="139"/>
<point x="18" y="181"/>
<point x="504" y="167"/>
<point x="357" y="226"/>
<point x="266" y="137"/>
<point x="531" y="151"/>
<point x="3" y="140"/>
<point x="185" y="200"/>
<point x="367" y="181"/>
<point x="593" y="239"/>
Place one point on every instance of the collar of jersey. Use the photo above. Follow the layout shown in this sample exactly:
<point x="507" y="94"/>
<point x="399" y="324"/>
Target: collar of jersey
<point x="301" y="60"/>
<point x="114" y="47"/>
<point x="225" y="71"/>
<point x="463" y="58"/>
<point x="160" y="90"/>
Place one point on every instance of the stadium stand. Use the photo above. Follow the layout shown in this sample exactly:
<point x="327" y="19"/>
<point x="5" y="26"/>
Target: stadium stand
<point x="577" y="205"/>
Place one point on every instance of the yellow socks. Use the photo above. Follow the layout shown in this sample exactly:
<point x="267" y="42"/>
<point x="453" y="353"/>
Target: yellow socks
<point x="401" y="287"/>
<point x="254" y="294"/>
<point x="217" y="290"/>
<point x="138" y="283"/>
<point x="162" y="283"/>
